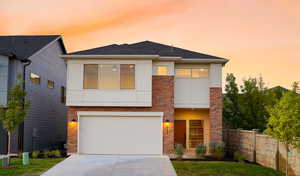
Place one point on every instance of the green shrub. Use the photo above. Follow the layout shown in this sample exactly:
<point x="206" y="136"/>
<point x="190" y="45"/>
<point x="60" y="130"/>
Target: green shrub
<point x="56" y="154"/>
<point x="20" y="155"/>
<point x="217" y="149"/>
<point x="46" y="153"/>
<point x="200" y="150"/>
<point x="239" y="157"/>
<point x="179" y="151"/>
<point x="35" y="154"/>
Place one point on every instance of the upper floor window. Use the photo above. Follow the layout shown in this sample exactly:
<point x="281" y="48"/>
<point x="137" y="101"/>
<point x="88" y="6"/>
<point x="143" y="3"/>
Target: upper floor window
<point x="109" y="76"/>
<point x="63" y="94"/>
<point x="35" y="78"/>
<point x="162" y="70"/>
<point x="50" y="84"/>
<point x="192" y="72"/>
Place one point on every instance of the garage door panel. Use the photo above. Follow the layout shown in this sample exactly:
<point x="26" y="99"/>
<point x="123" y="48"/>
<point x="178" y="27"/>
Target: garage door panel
<point x="120" y="135"/>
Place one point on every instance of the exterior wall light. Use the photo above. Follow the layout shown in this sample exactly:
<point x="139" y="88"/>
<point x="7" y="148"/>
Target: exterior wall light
<point x="167" y="124"/>
<point x="73" y="122"/>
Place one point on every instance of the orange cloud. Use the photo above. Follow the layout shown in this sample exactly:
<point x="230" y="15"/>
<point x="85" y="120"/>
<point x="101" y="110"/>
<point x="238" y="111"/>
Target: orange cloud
<point x="126" y="16"/>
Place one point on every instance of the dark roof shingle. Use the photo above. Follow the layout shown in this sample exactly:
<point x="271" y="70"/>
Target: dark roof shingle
<point x="24" y="46"/>
<point x="145" y="48"/>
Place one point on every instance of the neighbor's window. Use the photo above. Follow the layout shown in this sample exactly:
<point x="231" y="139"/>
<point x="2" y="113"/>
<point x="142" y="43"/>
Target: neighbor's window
<point x="192" y="72"/>
<point x="90" y="76"/>
<point x="35" y="78"/>
<point x="63" y="94"/>
<point x="162" y="70"/>
<point x="127" y="76"/>
<point x="183" y="72"/>
<point x="109" y="76"/>
<point x="50" y="84"/>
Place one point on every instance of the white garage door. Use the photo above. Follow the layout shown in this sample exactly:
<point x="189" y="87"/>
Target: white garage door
<point x="120" y="135"/>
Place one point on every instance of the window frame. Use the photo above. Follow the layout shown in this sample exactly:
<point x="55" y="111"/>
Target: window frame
<point x="167" y="72"/>
<point x="51" y="82"/>
<point x="84" y="70"/>
<point x="191" y="72"/>
<point x="119" y="77"/>
<point x="39" y="78"/>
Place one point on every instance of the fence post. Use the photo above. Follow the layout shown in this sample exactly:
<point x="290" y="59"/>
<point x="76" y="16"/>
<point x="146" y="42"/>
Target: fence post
<point x="254" y="132"/>
<point x="277" y="156"/>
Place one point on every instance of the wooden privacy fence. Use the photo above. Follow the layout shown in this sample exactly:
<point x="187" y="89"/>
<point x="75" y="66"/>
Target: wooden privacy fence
<point x="261" y="149"/>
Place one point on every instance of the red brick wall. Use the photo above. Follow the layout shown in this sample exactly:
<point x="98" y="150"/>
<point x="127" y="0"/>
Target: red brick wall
<point x="215" y="114"/>
<point x="162" y="101"/>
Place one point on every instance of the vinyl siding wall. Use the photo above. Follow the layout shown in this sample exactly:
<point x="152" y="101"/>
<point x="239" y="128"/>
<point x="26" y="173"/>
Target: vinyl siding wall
<point x="45" y="124"/>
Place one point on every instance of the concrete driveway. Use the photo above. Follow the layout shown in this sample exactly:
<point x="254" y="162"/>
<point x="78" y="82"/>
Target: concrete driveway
<point x="113" y="165"/>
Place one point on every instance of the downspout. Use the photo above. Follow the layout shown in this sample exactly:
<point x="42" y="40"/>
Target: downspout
<point x="21" y="128"/>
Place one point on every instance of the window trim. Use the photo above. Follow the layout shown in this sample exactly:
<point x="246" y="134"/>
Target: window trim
<point x="168" y="70"/>
<point x="50" y="81"/>
<point x="39" y="78"/>
<point x="191" y="72"/>
<point x="98" y="75"/>
<point x="84" y="77"/>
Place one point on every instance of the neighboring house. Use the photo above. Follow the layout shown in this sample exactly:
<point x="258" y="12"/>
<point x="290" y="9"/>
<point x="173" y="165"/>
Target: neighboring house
<point x="46" y="121"/>
<point x="142" y="98"/>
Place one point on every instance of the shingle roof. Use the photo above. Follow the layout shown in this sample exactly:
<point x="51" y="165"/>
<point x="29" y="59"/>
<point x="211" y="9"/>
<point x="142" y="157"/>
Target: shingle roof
<point x="25" y="46"/>
<point x="145" y="48"/>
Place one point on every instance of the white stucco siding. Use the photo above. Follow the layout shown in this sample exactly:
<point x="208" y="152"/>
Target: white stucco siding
<point x="141" y="96"/>
<point x="191" y="92"/>
<point x="215" y="75"/>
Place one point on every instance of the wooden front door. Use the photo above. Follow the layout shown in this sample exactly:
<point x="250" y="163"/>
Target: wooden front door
<point x="180" y="132"/>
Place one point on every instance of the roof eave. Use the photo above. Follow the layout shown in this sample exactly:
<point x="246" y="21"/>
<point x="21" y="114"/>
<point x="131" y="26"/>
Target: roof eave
<point x="203" y="60"/>
<point x="146" y="57"/>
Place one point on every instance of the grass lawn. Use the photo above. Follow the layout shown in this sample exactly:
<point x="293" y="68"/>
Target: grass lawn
<point x="36" y="167"/>
<point x="212" y="168"/>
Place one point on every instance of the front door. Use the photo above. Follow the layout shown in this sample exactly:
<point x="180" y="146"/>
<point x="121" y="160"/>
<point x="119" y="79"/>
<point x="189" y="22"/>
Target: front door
<point x="180" y="132"/>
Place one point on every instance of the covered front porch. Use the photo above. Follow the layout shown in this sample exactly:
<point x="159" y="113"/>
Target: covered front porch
<point x="191" y="128"/>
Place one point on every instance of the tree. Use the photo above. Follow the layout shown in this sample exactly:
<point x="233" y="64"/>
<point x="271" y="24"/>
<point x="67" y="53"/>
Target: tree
<point x="245" y="108"/>
<point x="231" y="108"/>
<point x="16" y="110"/>
<point x="284" y="122"/>
<point x="296" y="86"/>
<point x="253" y="102"/>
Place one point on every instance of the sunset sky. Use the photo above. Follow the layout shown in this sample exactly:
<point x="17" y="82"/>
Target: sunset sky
<point x="258" y="36"/>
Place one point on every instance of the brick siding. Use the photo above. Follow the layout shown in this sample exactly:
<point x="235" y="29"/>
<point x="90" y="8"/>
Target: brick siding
<point x="215" y="114"/>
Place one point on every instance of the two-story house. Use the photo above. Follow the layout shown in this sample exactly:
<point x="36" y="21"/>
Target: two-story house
<point x="142" y="98"/>
<point x="37" y="60"/>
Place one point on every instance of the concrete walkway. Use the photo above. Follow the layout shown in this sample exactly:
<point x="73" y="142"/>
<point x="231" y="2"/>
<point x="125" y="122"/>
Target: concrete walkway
<point x="113" y="165"/>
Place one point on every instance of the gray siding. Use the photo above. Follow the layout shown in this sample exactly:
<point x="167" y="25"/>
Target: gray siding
<point x="3" y="79"/>
<point x="46" y="122"/>
<point x="14" y="68"/>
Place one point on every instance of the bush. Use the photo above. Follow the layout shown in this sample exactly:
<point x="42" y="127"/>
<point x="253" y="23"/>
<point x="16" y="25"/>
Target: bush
<point x="46" y="153"/>
<point x="217" y="149"/>
<point x="179" y="150"/>
<point x="56" y="154"/>
<point x="35" y="154"/>
<point x="239" y="157"/>
<point x="20" y="155"/>
<point x="200" y="150"/>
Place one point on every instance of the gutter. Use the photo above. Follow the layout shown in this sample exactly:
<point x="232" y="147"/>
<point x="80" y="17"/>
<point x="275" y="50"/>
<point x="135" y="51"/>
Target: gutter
<point x="21" y="127"/>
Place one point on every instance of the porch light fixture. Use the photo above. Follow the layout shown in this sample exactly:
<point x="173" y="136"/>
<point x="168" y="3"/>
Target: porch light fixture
<point x="73" y="122"/>
<point x="167" y="124"/>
